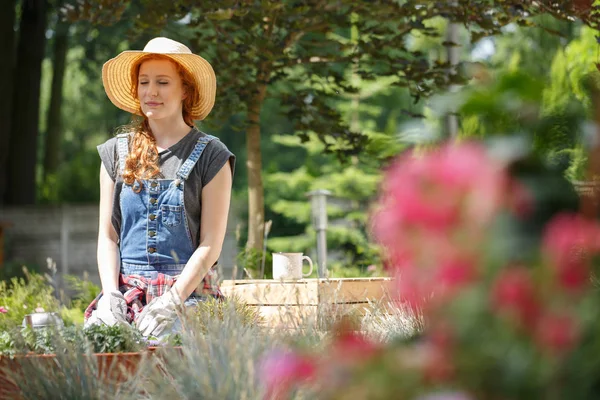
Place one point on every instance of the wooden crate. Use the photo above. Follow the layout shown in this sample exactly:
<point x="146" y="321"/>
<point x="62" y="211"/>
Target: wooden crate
<point x="291" y="303"/>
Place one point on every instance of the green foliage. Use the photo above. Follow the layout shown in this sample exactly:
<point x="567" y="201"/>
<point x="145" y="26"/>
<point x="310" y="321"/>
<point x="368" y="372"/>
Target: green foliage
<point x="512" y="104"/>
<point x="74" y="182"/>
<point x="309" y="48"/>
<point x="84" y="291"/>
<point x="22" y="296"/>
<point x="7" y="344"/>
<point x="577" y="168"/>
<point x="353" y="183"/>
<point x="16" y="269"/>
<point x="212" y="309"/>
<point x="98" y="338"/>
<point x="250" y="259"/>
<point x="219" y="359"/>
<point x="114" y="339"/>
<point x="72" y="316"/>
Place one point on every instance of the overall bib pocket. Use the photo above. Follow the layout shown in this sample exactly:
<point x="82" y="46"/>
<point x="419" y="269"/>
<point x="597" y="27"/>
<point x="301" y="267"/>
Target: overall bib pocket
<point x="171" y="215"/>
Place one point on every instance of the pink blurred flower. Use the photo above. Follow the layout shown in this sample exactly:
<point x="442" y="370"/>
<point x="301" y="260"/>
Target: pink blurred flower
<point x="570" y="240"/>
<point x="3" y="310"/>
<point x="372" y="269"/>
<point x="425" y="198"/>
<point x="413" y="288"/>
<point x="39" y="310"/>
<point x="514" y="293"/>
<point x="281" y="369"/>
<point x="557" y="333"/>
<point x="455" y="273"/>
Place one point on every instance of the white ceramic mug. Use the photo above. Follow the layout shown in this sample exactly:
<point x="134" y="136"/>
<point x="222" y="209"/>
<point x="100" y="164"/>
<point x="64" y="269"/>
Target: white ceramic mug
<point x="289" y="266"/>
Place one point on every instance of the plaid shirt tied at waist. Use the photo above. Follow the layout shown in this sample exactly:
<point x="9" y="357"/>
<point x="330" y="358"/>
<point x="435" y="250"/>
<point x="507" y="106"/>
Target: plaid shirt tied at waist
<point x="139" y="291"/>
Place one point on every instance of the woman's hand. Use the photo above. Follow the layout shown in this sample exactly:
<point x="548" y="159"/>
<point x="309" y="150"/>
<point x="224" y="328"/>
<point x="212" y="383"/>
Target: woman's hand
<point x="111" y="309"/>
<point x="159" y="315"/>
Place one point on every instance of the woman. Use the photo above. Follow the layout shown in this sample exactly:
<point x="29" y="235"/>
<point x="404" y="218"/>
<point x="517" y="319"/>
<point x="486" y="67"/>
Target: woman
<point x="165" y="189"/>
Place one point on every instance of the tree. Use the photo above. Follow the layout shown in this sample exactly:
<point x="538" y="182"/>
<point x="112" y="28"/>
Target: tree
<point x="54" y="129"/>
<point x="306" y="45"/>
<point x="24" y="134"/>
<point x="7" y="42"/>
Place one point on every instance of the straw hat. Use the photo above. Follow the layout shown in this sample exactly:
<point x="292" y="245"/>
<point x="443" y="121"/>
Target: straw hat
<point x="116" y="75"/>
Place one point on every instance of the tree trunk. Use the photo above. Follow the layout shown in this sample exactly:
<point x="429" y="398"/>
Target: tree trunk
<point x="256" y="199"/>
<point x="453" y="39"/>
<point x="52" y="154"/>
<point x="7" y="42"/>
<point x="22" y="155"/>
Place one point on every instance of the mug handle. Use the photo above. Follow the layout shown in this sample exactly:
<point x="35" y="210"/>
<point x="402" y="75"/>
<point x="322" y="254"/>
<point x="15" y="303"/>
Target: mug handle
<point x="310" y="263"/>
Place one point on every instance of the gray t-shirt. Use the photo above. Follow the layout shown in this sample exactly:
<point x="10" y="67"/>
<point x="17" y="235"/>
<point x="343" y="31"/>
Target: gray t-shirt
<point x="211" y="161"/>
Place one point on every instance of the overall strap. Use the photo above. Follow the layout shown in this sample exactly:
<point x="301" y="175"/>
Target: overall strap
<point x="187" y="166"/>
<point x="123" y="150"/>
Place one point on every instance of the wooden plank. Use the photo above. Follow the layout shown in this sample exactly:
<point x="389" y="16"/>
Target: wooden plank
<point x="288" y="316"/>
<point x="273" y="293"/>
<point x="309" y="291"/>
<point x="354" y="291"/>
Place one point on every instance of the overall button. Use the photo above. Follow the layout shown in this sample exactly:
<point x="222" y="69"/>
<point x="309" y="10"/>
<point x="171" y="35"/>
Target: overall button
<point x="152" y="233"/>
<point x="154" y="184"/>
<point x="153" y="200"/>
<point x="152" y="217"/>
<point x="151" y="250"/>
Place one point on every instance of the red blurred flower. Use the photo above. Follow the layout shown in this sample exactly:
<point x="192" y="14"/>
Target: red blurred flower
<point x="281" y="370"/>
<point x="520" y="199"/>
<point x="352" y="347"/>
<point x="570" y="240"/>
<point x="3" y="310"/>
<point x="438" y="367"/>
<point x="513" y="293"/>
<point x="557" y="333"/>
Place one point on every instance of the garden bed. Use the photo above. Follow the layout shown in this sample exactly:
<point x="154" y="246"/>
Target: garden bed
<point x="288" y="303"/>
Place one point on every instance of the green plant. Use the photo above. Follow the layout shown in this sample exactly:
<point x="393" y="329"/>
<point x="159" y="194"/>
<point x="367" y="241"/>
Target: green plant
<point x="72" y="316"/>
<point x="218" y="359"/>
<point x="212" y="309"/>
<point x="114" y="339"/>
<point x="7" y="344"/>
<point x="99" y="338"/>
<point x="578" y="166"/>
<point x="22" y="296"/>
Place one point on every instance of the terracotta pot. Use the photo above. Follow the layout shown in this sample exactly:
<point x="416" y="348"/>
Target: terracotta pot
<point x="112" y="367"/>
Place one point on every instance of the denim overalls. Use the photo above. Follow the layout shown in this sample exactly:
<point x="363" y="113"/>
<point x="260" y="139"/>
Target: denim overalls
<point x="154" y="236"/>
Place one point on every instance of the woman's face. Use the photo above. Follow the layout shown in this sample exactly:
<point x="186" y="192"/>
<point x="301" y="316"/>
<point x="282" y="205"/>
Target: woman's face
<point x="160" y="90"/>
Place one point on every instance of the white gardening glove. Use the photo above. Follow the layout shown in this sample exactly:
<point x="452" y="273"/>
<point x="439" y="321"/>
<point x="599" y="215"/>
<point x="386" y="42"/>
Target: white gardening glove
<point x="159" y="315"/>
<point x="111" y="309"/>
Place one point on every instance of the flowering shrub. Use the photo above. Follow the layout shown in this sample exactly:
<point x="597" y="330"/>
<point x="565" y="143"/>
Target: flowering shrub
<point x="500" y="323"/>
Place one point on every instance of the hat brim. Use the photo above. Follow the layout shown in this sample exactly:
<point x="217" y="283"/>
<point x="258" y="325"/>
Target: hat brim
<point x="116" y="78"/>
